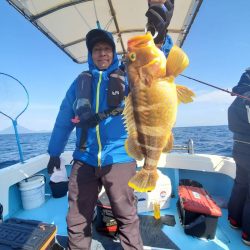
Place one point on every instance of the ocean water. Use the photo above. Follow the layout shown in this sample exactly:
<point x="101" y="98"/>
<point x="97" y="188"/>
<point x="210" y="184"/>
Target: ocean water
<point x="207" y="139"/>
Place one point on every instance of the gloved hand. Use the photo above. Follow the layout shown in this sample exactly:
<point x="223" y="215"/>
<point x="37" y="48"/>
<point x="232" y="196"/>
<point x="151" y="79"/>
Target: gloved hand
<point x="159" y="17"/>
<point x="54" y="161"/>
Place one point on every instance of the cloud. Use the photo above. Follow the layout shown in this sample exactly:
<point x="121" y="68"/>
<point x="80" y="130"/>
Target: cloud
<point x="214" y="97"/>
<point x="37" y="117"/>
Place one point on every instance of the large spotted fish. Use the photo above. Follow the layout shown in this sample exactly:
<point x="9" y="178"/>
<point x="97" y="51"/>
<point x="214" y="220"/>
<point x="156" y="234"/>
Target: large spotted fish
<point x="151" y="107"/>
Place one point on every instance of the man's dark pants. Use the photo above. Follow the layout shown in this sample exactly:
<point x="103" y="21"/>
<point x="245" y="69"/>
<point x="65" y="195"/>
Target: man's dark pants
<point x="84" y="185"/>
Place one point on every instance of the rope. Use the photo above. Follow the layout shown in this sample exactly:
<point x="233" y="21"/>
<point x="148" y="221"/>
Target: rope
<point x="213" y="86"/>
<point x="85" y="21"/>
<point x="97" y="21"/>
<point x="109" y="23"/>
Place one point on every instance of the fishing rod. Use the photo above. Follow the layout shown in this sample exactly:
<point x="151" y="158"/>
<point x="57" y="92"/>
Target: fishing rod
<point x="213" y="86"/>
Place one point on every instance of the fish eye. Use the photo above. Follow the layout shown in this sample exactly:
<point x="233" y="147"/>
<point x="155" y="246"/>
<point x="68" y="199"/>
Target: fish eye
<point x="132" y="56"/>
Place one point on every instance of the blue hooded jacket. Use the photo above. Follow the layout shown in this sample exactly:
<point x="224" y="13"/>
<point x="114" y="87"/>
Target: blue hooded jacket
<point x="167" y="45"/>
<point x="105" y="142"/>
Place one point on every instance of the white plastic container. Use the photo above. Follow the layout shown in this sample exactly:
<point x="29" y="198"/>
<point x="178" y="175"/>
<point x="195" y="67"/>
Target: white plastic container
<point x="32" y="191"/>
<point x="161" y="194"/>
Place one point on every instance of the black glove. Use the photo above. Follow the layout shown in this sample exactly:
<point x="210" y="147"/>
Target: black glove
<point x="54" y="161"/>
<point x="159" y="17"/>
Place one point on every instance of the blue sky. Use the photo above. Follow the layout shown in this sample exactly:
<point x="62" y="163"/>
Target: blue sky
<point x="218" y="47"/>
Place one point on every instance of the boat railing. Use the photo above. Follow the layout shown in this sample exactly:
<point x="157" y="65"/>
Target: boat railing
<point x="189" y="147"/>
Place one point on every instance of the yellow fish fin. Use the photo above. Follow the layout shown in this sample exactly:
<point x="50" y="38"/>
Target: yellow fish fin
<point x="144" y="180"/>
<point x="170" y="144"/>
<point x="184" y="94"/>
<point x="177" y="61"/>
<point x="129" y="116"/>
<point x="133" y="148"/>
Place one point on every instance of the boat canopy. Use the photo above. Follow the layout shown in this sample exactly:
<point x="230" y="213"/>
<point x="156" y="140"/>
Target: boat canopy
<point x="66" y="22"/>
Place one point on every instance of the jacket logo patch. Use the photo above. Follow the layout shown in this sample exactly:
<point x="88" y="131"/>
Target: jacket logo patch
<point x="115" y="92"/>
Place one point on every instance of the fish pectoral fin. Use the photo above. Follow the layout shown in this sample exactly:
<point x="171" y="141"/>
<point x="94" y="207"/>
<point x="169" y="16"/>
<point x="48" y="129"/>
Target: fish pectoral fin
<point x="144" y="180"/>
<point x="177" y="61"/>
<point x="170" y="144"/>
<point x="184" y="94"/>
<point x="132" y="148"/>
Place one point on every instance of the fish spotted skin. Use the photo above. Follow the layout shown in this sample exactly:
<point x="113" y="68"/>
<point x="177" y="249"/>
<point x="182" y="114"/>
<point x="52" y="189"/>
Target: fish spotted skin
<point x="151" y="106"/>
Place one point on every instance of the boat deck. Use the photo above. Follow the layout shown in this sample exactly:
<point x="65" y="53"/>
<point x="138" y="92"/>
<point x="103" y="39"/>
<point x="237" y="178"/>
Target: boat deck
<point x="166" y="237"/>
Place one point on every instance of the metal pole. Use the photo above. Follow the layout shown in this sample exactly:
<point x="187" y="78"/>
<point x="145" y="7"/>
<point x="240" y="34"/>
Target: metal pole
<point x="190" y="146"/>
<point x="18" y="141"/>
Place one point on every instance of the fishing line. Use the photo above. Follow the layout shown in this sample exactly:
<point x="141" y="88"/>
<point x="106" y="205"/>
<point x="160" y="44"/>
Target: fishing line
<point x="213" y="86"/>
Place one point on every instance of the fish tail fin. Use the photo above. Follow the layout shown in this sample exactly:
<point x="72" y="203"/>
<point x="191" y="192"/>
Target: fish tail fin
<point x="177" y="61"/>
<point x="132" y="148"/>
<point x="170" y="144"/>
<point x="184" y="94"/>
<point x="144" y="180"/>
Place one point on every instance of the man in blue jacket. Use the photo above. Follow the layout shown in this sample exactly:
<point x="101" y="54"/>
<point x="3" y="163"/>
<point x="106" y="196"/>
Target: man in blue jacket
<point x="239" y="124"/>
<point x="94" y="104"/>
<point x="100" y="160"/>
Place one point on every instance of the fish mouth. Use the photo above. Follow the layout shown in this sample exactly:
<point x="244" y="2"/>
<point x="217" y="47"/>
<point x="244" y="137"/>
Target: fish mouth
<point x="140" y="41"/>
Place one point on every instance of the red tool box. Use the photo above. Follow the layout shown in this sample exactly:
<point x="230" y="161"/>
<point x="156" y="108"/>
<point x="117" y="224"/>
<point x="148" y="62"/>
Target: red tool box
<point x="26" y="235"/>
<point x="198" y="212"/>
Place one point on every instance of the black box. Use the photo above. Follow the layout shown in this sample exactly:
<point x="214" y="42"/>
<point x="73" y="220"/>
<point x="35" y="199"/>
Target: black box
<point x="26" y="235"/>
<point x="105" y="220"/>
<point x="198" y="212"/>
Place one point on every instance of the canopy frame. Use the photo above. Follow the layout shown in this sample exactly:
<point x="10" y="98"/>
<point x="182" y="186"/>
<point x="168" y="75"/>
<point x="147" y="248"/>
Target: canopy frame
<point x="73" y="47"/>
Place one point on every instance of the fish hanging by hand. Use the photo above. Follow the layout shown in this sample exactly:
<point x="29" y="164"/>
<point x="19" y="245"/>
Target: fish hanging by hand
<point x="151" y="106"/>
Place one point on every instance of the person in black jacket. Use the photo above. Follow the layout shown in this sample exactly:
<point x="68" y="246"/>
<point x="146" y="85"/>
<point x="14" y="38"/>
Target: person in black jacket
<point x="239" y="124"/>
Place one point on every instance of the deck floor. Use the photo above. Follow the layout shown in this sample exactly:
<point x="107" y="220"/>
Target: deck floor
<point x="226" y="237"/>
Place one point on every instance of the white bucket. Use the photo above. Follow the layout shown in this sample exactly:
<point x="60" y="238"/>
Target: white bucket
<point x="32" y="191"/>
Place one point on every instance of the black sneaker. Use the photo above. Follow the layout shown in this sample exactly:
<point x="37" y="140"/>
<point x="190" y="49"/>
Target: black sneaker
<point x="233" y="223"/>
<point x="246" y="238"/>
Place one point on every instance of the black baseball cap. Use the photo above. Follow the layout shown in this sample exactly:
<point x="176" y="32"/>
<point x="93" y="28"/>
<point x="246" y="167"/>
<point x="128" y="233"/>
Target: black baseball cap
<point x="98" y="35"/>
